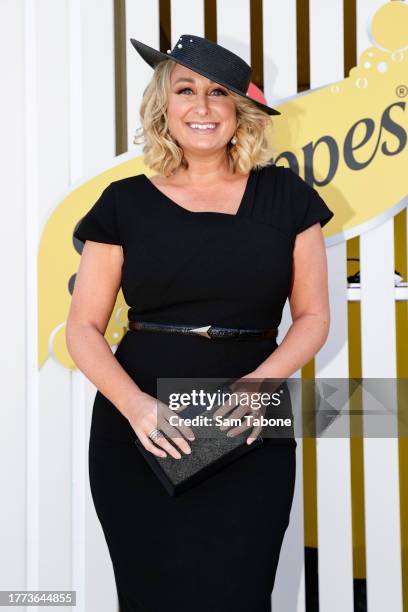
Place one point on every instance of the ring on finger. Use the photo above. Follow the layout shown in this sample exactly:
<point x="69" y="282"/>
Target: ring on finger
<point x="154" y="434"/>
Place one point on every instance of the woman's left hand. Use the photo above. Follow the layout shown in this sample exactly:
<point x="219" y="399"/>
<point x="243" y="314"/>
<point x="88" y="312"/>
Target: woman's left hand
<point x="244" y="404"/>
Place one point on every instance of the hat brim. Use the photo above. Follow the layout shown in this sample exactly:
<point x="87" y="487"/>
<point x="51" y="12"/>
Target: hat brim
<point x="154" y="57"/>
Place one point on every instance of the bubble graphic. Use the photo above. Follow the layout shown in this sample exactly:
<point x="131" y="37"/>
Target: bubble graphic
<point x="390" y="26"/>
<point x="397" y="56"/>
<point x="362" y="83"/>
<point x="371" y="54"/>
<point x="382" y="67"/>
<point x="367" y="65"/>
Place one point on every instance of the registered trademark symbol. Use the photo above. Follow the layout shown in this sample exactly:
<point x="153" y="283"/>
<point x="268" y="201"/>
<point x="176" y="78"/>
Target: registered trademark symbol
<point x="402" y="91"/>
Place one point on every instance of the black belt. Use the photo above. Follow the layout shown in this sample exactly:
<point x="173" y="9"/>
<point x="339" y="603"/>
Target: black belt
<point x="206" y="331"/>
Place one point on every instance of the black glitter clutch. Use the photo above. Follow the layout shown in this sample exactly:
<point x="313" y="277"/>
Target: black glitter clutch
<point x="209" y="454"/>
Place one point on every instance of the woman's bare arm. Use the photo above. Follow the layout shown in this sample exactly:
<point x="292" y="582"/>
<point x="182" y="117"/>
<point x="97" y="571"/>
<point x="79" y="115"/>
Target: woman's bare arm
<point x="309" y="305"/>
<point x="96" y="287"/>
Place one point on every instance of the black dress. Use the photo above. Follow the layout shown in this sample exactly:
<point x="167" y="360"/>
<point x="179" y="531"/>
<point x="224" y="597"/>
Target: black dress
<point x="215" y="548"/>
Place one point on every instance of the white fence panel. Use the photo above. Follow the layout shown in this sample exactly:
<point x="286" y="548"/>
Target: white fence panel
<point x="381" y="472"/>
<point x="52" y="149"/>
<point x="280" y="82"/>
<point x="142" y="23"/>
<point x="335" y="553"/>
<point x="186" y="18"/>
<point x="17" y="365"/>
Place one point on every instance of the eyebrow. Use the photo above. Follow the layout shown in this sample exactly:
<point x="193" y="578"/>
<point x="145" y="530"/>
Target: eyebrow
<point x="189" y="80"/>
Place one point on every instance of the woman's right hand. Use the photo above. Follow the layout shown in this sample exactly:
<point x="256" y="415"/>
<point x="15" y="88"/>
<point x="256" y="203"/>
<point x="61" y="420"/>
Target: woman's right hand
<point x="149" y="413"/>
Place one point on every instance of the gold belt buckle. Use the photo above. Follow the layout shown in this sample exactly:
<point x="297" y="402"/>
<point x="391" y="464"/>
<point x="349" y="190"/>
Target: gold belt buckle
<point x="202" y="331"/>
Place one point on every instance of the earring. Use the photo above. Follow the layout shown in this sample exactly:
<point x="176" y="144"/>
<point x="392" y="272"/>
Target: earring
<point x="233" y="140"/>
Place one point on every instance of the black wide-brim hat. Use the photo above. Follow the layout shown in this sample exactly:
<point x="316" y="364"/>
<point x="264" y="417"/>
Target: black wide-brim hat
<point x="209" y="59"/>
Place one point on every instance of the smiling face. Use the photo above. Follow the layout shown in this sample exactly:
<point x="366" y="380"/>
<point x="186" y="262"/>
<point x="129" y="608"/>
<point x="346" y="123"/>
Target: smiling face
<point x="201" y="114"/>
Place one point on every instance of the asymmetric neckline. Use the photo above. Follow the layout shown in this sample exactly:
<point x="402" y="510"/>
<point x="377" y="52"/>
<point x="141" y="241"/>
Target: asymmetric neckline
<point x="240" y="209"/>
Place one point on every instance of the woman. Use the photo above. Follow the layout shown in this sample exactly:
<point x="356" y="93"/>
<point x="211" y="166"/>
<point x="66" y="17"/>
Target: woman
<point x="222" y="237"/>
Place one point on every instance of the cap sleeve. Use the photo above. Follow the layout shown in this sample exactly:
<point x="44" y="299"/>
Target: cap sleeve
<point x="100" y="222"/>
<point x="308" y="206"/>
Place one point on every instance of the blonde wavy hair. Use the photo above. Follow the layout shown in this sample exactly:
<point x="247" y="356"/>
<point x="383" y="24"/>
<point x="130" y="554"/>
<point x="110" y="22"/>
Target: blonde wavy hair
<point x="164" y="155"/>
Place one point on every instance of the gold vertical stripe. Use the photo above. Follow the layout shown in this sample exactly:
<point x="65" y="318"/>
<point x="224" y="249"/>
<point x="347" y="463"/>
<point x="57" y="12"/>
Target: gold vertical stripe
<point x="210" y="20"/>
<point x="120" y="76"/>
<point x="356" y="443"/>
<point x="309" y="453"/>
<point x="257" y="44"/>
<point x="356" y="439"/>
<point x="350" y="35"/>
<point x="165" y="25"/>
<point x="401" y="313"/>
<point x="303" y="47"/>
